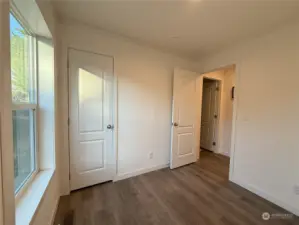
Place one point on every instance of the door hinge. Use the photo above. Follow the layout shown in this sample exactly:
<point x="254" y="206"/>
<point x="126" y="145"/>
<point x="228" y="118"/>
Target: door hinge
<point x="214" y="143"/>
<point x="69" y="176"/>
<point x="68" y="121"/>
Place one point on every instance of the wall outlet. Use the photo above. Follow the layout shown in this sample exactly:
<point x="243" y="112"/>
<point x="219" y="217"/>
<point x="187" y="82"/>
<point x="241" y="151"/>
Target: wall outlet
<point x="296" y="189"/>
<point x="150" y="155"/>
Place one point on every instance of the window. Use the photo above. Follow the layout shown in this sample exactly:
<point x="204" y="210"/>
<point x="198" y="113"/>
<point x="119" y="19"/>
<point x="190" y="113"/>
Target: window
<point x="23" y="80"/>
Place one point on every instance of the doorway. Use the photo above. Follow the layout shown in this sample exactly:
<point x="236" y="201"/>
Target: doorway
<point x="91" y="129"/>
<point x="209" y="114"/>
<point x="217" y="116"/>
<point x="202" y="115"/>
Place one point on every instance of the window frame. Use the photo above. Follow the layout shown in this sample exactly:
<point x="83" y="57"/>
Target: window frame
<point x="32" y="105"/>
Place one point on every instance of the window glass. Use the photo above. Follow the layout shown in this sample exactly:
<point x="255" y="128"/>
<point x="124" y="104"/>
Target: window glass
<point x="22" y="74"/>
<point x="23" y="141"/>
<point x="24" y="104"/>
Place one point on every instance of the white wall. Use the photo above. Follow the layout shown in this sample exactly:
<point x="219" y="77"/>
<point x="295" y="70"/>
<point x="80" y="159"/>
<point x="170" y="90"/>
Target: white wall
<point x="266" y="157"/>
<point x="144" y="99"/>
<point x="47" y="207"/>
<point x="227" y="113"/>
<point x="46" y="103"/>
<point x="7" y="175"/>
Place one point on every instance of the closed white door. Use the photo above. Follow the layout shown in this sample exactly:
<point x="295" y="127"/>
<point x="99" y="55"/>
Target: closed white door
<point x="92" y="159"/>
<point x="209" y="114"/>
<point x="185" y="100"/>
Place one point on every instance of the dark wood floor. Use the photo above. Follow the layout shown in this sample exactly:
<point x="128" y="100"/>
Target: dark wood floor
<point x="197" y="194"/>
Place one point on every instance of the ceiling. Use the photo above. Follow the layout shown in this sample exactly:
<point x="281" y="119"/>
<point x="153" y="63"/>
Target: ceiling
<point x="190" y="28"/>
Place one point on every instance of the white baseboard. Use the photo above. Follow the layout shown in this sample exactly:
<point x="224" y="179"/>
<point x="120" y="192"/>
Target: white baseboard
<point x="266" y="196"/>
<point x="225" y="154"/>
<point x="54" y="212"/>
<point x="139" y="172"/>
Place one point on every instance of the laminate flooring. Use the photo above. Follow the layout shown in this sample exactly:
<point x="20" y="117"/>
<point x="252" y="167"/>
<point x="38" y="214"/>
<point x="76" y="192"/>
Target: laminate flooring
<point x="196" y="194"/>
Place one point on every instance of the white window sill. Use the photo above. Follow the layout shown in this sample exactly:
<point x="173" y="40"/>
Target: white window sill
<point x="28" y="204"/>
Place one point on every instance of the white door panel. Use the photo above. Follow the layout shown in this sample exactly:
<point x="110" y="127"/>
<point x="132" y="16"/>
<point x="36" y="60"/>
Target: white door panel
<point x="92" y="158"/>
<point x="185" y="97"/>
<point x="185" y="143"/>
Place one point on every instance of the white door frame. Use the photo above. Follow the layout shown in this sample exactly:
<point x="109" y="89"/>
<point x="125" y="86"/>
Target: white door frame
<point x="235" y="110"/>
<point x="114" y="111"/>
<point x="234" y="118"/>
<point x="216" y="127"/>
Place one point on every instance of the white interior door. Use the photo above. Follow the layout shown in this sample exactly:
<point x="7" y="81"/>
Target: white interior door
<point x="185" y="100"/>
<point x="92" y="159"/>
<point x="209" y="111"/>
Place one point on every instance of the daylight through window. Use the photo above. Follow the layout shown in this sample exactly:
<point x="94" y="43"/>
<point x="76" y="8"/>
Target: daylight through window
<point x="23" y="80"/>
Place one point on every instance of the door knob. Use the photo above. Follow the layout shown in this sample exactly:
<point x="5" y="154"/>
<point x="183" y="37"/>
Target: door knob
<point x="175" y="124"/>
<point x="110" y="126"/>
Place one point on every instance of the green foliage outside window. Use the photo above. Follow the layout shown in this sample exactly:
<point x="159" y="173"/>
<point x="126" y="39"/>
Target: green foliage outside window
<point x="19" y="65"/>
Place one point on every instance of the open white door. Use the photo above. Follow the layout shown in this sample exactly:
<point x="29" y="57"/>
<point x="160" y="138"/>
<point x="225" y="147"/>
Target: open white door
<point x="184" y="118"/>
<point x="92" y="159"/>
